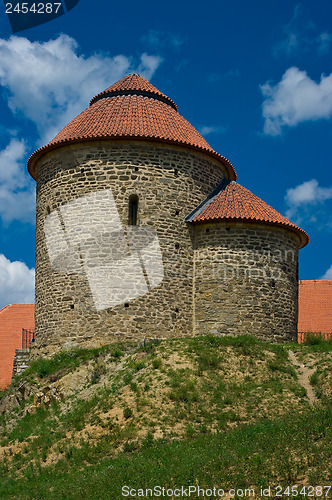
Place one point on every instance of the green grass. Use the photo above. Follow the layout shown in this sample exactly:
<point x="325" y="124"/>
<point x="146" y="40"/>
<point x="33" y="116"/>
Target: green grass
<point x="244" y="426"/>
<point x="314" y="378"/>
<point x="318" y="343"/>
<point x="248" y="456"/>
<point x="184" y="392"/>
<point x="317" y="339"/>
<point x="69" y="360"/>
<point x="127" y="413"/>
<point x="157" y="363"/>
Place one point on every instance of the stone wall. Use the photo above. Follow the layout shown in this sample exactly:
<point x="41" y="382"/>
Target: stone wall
<point x="246" y="280"/>
<point x="170" y="181"/>
<point x="21" y="361"/>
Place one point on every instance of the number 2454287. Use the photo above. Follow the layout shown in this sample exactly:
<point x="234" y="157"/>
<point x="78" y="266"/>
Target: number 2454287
<point x="35" y="8"/>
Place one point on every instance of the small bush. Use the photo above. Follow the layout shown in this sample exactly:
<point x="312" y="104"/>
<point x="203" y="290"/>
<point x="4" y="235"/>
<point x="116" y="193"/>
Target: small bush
<point x="148" y="440"/>
<point x="185" y="392"/>
<point x="314" y="378"/>
<point x="156" y="363"/>
<point x="95" y="377"/>
<point x="69" y="452"/>
<point x="138" y="365"/>
<point x="128" y="377"/>
<point x="275" y="365"/>
<point x="240" y="341"/>
<point x="130" y="446"/>
<point x="318" y="343"/>
<point x="134" y="386"/>
<point x="280" y="352"/>
<point x="116" y="353"/>
<point x="298" y="390"/>
<point x="316" y="338"/>
<point x="208" y="360"/>
<point x="190" y="431"/>
<point x="127" y="413"/>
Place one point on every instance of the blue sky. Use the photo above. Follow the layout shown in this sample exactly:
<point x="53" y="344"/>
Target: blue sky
<point x="255" y="78"/>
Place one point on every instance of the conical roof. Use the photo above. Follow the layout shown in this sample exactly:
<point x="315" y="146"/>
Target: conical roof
<point x="233" y="202"/>
<point x="134" y="85"/>
<point x="131" y="108"/>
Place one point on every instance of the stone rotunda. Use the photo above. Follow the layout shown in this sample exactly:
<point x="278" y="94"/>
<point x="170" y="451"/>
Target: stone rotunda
<point x="142" y="231"/>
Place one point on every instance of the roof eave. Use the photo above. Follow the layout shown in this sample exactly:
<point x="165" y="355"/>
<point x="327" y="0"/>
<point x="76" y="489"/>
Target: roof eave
<point x="304" y="238"/>
<point x="39" y="153"/>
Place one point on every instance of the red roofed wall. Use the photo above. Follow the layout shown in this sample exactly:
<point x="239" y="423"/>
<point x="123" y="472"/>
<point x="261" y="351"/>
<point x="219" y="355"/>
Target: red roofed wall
<point x="12" y="319"/>
<point x="315" y="307"/>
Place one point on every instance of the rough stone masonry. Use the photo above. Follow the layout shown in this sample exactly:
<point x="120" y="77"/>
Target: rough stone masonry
<point x="230" y="268"/>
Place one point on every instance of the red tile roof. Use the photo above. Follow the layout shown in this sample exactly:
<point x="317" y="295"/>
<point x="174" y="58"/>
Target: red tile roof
<point x="134" y="85"/>
<point x="315" y="306"/>
<point x="232" y="202"/>
<point x="12" y="319"/>
<point x="131" y="108"/>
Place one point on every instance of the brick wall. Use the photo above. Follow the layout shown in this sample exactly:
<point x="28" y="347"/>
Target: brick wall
<point x="12" y="319"/>
<point x="315" y="306"/>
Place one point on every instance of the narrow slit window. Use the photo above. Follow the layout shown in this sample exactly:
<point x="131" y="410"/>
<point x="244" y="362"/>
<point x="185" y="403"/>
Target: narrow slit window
<point x="133" y="210"/>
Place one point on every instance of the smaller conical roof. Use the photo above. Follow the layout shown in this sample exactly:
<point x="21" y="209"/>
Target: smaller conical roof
<point x="233" y="202"/>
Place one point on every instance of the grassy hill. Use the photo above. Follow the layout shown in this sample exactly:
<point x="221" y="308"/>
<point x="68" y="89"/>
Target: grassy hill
<point x="208" y="412"/>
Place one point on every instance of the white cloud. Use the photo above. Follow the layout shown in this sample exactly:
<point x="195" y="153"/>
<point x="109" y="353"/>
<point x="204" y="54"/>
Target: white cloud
<point x="17" y="190"/>
<point x="10" y="159"/>
<point x="308" y="192"/>
<point x="17" y="282"/>
<point x="295" y="99"/>
<point x="327" y="275"/>
<point x="212" y="129"/>
<point x="308" y="201"/>
<point x="50" y="83"/>
<point x="148" y="65"/>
